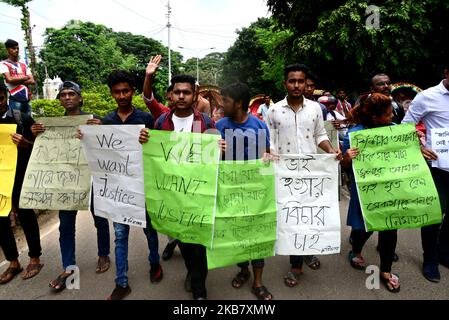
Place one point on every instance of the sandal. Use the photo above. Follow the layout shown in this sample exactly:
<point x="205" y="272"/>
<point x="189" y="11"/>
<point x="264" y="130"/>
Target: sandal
<point x="60" y="283"/>
<point x="103" y="264"/>
<point x="291" y="279"/>
<point x="356" y="262"/>
<point x="240" y="279"/>
<point x="262" y="293"/>
<point x="392" y="284"/>
<point x="31" y="271"/>
<point x="312" y="262"/>
<point x="10" y="274"/>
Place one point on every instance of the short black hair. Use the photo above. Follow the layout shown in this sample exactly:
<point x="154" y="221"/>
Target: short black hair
<point x="184" y="78"/>
<point x="312" y="76"/>
<point x="11" y="43"/>
<point x="121" y="76"/>
<point x="3" y="89"/>
<point x="296" y="67"/>
<point x="238" y="92"/>
<point x="170" y="88"/>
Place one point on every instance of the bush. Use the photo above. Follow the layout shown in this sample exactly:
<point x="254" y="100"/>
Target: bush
<point x="94" y="103"/>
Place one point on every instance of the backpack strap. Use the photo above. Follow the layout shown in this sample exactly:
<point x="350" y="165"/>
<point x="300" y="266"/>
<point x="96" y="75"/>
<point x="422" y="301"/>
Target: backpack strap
<point x="207" y="120"/>
<point x="160" y="121"/>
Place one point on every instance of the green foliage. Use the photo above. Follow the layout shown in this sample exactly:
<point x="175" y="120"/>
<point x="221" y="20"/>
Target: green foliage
<point x="210" y="68"/>
<point x="242" y="62"/>
<point x="3" y="52"/>
<point x="97" y="102"/>
<point x="332" y="38"/>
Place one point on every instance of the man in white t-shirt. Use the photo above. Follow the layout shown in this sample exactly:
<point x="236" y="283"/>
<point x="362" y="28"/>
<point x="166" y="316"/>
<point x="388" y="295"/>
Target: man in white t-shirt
<point x="17" y="79"/>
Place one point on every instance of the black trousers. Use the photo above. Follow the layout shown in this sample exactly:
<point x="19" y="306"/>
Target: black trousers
<point x="30" y="227"/>
<point x="259" y="263"/>
<point x="28" y="221"/>
<point x="195" y="260"/>
<point x="435" y="238"/>
<point x="387" y="245"/>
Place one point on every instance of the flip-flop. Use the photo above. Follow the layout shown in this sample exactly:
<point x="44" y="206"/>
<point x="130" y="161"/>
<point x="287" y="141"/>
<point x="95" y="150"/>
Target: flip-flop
<point x="291" y="279"/>
<point x="11" y="273"/>
<point x="32" y="270"/>
<point x="240" y="279"/>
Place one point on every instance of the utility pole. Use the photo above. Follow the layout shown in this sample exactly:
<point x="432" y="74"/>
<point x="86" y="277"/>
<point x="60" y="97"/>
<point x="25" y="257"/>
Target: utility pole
<point x="169" y="40"/>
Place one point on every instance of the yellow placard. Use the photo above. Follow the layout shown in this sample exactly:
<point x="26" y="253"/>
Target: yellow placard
<point x="8" y="163"/>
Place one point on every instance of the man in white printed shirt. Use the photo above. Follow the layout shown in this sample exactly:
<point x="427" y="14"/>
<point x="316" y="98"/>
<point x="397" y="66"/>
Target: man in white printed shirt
<point x="297" y="127"/>
<point x="432" y="108"/>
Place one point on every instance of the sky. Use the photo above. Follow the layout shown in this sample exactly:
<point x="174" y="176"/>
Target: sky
<point x="197" y="25"/>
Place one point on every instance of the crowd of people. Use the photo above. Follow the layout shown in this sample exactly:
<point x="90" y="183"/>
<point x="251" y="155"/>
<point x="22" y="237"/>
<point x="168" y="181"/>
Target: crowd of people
<point x="294" y="125"/>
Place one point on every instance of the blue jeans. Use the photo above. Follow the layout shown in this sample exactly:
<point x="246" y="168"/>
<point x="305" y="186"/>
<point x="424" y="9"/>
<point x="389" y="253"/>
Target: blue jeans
<point x="67" y="224"/>
<point x="24" y="107"/>
<point x="121" y="249"/>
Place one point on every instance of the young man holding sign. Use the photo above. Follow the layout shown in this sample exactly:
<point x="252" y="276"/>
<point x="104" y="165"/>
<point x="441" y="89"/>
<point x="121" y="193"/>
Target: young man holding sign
<point x="185" y="118"/>
<point x="123" y="87"/>
<point x="297" y="127"/>
<point x="24" y="141"/>
<point x="432" y="108"/>
<point x="70" y="97"/>
<point x="244" y="133"/>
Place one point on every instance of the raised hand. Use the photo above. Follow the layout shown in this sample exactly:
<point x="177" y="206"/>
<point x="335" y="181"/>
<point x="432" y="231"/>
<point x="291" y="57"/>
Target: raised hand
<point x="153" y="65"/>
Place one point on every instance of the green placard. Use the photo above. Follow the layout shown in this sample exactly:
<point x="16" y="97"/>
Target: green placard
<point x="245" y="222"/>
<point x="394" y="183"/>
<point x="180" y="172"/>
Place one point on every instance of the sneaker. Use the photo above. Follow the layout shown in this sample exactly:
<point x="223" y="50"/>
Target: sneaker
<point x="156" y="273"/>
<point x="120" y="293"/>
<point x="169" y="249"/>
<point x="188" y="283"/>
<point x="431" y="272"/>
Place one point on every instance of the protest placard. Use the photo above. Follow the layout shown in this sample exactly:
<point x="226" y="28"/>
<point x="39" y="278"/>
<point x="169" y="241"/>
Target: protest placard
<point x="114" y="155"/>
<point x="332" y="134"/>
<point x="440" y="144"/>
<point x="308" y="220"/>
<point x="245" y="221"/>
<point x="8" y="163"/>
<point x="394" y="183"/>
<point x="57" y="176"/>
<point x="181" y="172"/>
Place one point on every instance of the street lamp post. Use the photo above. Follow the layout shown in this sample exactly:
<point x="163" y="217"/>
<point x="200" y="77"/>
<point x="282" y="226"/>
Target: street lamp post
<point x="197" y="59"/>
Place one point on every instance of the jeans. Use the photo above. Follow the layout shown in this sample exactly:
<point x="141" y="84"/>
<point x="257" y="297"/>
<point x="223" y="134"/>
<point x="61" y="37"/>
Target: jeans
<point x="435" y="238"/>
<point x="24" y="107"/>
<point x="195" y="260"/>
<point x="121" y="249"/>
<point x="67" y="226"/>
<point x="30" y="227"/>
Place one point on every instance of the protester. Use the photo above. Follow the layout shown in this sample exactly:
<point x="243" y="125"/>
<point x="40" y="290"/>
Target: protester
<point x="312" y="79"/>
<point x="338" y="120"/>
<point x="263" y="109"/>
<point x="185" y="118"/>
<point x="238" y="128"/>
<point x="343" y="106"/>
<point x="381" y="83"/>
<point x="24" y="140"/>
<point x="297" y="127"/>
<point x="17" y="79"/>
<point x="123" y="87"/>
<point x="431" y="107"/>
<point x="374" y="111"/>
<point x="70" y="97"/>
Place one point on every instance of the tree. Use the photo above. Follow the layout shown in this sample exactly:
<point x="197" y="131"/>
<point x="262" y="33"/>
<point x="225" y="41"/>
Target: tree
<point x="210" y="68"/>
<point x="3" y="52"/>
<point x="26" y="27"/>
<point x="83" y="52"/>
<point x="242" y="62"/>
<point x="332" y="37"/>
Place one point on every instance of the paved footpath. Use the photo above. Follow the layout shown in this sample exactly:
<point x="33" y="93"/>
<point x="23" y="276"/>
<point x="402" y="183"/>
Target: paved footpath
<point x="335" y="280"/>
